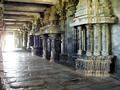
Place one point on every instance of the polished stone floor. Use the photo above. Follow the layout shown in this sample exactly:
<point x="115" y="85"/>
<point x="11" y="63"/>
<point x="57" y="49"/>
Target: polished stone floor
<point x="24" y="71"/>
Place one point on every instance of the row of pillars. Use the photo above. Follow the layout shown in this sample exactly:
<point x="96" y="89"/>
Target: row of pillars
<point x="52" y="37"/>
<point x="44" y="38"/>
<point x="94" y="39"/>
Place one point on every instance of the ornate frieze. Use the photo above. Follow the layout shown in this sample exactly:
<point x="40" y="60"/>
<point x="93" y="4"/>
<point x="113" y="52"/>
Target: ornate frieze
<point x="93" y="11"/>
<point x="94" y="66"/>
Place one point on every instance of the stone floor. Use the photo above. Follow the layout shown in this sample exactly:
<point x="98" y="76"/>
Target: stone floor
<point x="24" y="71"/>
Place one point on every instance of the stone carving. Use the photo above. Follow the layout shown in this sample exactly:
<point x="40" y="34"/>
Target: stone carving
<point x="93" y="11"/>
<point x="93" y="18"/>
<point x="94" y="66"/>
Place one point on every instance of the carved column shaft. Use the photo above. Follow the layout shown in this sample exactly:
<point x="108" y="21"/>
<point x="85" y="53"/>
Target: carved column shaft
<point x="80" y="40"/>
<point x="28" y="43"/>
<point x="24" y="39"/>
<point x="83" y="40"/>
<point x="106" y="39"/>
<point x="52" y="37"/>
<point x="97" y="39"/>
<point x="90" y="41"/>
<point x="44" y="47"/>
<point x="62" y="43"/>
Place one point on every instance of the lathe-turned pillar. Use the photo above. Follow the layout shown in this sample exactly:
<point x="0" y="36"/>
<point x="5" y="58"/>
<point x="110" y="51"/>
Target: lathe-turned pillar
<point x="62" y="44"/>
<point x="44" y="46"/>
<point x="52" y="37"/>
<point x="80" y="40"/>
<point x="97" y="39"/>
<point x="24" y="40"/>
<point x="106" y="40"/>
<point x="90" y="40"/>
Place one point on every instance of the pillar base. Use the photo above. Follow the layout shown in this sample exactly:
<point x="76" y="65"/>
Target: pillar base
<point x="105" y="53"/>
<point x="97" y="53"/>
<point x="63" y="58"/>
<point x="97" y="66"/>
<point x="51" y="60"/>
<point x="80" y="52"/>
<point x="44" y="57"/>
<point x="89" y="53"/>
<point x="24" y="48"/>
<point x="33" y="51"/>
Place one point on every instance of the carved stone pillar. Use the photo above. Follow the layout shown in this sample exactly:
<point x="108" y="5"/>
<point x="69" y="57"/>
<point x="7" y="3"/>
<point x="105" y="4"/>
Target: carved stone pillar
<point x="28" y="43"/>
<point x="80" y="40"/>
<point x="105" y="40"/>
<point x="97" y="39"/>
<point x="24" y="39"/>
<point x="84" y="40"/>
<point x="62" y="44"/>
<point x="44" y="47"/>
<point x="52" y="37"/>
<point x="90" y="39"/>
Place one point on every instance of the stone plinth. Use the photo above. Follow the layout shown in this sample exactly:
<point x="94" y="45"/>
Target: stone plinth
<point x="94" y="66"/>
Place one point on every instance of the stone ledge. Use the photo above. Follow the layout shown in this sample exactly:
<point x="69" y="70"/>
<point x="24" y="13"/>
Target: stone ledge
<point x="92" y="20"/>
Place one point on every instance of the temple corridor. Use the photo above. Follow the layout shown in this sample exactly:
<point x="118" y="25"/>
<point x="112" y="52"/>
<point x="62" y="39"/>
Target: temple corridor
<point x="60" y="44"/>
<point x="24" y="71"/>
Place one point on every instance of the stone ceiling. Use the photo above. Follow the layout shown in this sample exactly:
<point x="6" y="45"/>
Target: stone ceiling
<point x="18" y="12"/>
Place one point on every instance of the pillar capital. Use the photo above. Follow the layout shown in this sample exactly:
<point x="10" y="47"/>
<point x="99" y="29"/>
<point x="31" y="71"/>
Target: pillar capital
<point x="52" y="36"/>
<point x="89" y="27"/>
<point x="79" y="27"/>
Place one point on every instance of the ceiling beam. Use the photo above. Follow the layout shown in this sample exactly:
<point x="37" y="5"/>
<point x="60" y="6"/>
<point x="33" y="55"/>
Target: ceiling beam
<point x="18" y="18"/>
<point x="22" y="13"/>
<point x="16" y="21"/>
<point x="35" y="1"/>
<point x="21" y="20"/>
<point x="25" y="7"/>
<point x="12" y="27"/>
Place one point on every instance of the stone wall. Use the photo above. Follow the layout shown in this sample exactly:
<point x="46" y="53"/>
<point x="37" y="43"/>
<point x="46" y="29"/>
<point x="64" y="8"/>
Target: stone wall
<point x="116" y="33"/>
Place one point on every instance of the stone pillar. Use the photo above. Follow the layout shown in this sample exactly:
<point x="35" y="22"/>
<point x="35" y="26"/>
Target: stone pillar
<point x="90" y="41"/>
<point x="44" y="47"/>
<point x="25" y="40"/>
<point x="80" y="40"/>
<point x="97" y="39"/>
<point x="52" y="37"/>
<point x="62" y="44"/>
<point x="28" y="43"/>
<point x="106" y="40"/>
<point x="83" y="40"/>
